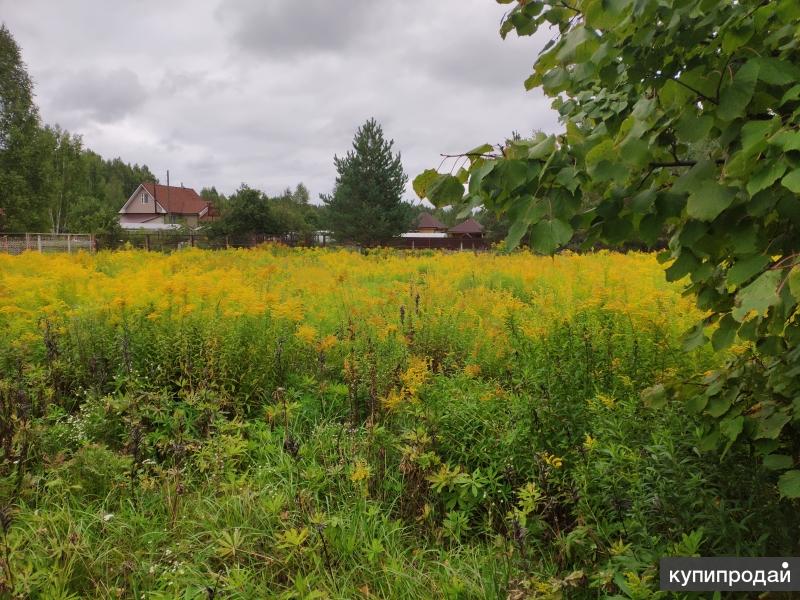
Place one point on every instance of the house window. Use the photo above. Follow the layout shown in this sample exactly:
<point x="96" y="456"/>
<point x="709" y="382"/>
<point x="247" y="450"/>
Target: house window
<point x="145" y="198"/>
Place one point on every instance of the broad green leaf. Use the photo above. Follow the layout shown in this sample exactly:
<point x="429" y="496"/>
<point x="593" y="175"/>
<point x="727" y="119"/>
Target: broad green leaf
<point x="480" y="150"/>
<point x="701" y="80"/>
<point x="608" y="170"/>
<point x="735" y="97"/>
<point x="708" y="201"/>
<point x="529" y="210"/>
<point x="476" y="178"/>
<point x="792" y="181"/>
<point x="516" y="232"/>
<point x="732" y="427"/>
<point x="635" y="152"/>
<point x="758" y="296"/>
<point x="789" y="484"/>
<point x="543" y="148"/>
<point x="605" y="14"/>
<point x="718" y="406"/>
<point x="572" y="43"/>
<point x="694" y="177"/>
<point x="674" y="94"/>
<point x="445" y="190"/>
<point x="695" y="338"/>
<point x="423" y="181"/>
<point x="735" y="38"/>
<point x="787" y="140"/>
<point x="600" y="152"/>
<point x="549" y="235"/>
<point x="643" y="201"/>
<point x="746" y="268"/>
<point x="709" y="442"/>
<point x="568" y="177"/>
<point x="778" y="462"/>
<point x="697" y="403"/>
<point x="692" y="128"/>
<point x="512" y="173"/>
<point x="776" y="71"/>
<point x="766" y="176"/>
<point x="755" y="134"/>
<point x="683" y="265"/>
<point x="792" y="94"/>
<point x="725" y="334"/>
<point x="770" y="427"/>
<point x="788" y="11"/>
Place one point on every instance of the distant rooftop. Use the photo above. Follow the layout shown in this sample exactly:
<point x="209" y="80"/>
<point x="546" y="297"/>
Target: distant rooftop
<point x="428" y="221"/>
<point x="468" y="226"/>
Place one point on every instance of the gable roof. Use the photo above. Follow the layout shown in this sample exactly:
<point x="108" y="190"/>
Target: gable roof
<point x="468" y="226"/>
<point x="177" y="200"/>
<point x="428" y="221"/>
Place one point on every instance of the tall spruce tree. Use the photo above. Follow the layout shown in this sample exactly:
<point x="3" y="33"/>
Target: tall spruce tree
<point x="367" y="205"/>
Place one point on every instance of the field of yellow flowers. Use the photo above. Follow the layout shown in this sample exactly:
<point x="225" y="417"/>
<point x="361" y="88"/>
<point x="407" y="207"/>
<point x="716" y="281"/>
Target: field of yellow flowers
<point x="329" y="424"/>
<point x="317" y="292"/>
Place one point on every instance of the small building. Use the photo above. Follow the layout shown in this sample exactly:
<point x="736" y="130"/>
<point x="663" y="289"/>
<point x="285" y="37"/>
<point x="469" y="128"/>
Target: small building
<point x="468" y="229"/>
<point x="159" y="207"/>
<point x="427" y="223"/>
<point x="433" y="234"/>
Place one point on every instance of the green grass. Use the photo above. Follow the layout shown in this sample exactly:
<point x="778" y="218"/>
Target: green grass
<point x="223" y="460"/>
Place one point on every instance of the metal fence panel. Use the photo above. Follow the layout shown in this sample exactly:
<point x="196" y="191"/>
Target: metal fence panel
<point x="17" y="243"/>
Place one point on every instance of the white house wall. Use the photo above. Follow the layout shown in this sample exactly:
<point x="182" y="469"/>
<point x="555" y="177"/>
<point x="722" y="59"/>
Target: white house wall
<point x="134" y="204"/>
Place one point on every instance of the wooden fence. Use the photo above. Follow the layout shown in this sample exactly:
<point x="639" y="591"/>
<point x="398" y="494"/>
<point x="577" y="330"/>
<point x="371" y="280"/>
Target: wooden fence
<point x="168" y="241"/>
<point x="451" y="243"/>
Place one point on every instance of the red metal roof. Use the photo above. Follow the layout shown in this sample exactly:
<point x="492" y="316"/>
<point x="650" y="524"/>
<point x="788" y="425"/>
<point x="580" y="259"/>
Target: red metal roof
<point x="428" y="221"/>
<point x="468" y="226"/>
<point x="177" y="200"/>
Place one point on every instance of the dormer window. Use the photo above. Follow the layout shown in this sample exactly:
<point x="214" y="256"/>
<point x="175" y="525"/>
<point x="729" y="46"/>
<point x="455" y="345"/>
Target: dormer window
<point x="145" y="198"/>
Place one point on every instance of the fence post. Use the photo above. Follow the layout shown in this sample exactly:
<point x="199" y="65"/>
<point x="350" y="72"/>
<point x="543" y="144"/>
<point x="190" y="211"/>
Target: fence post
<point x="147" y="242"/>
<point x="191" y="240"/>
<point x="69" y="243"/>
<point x="27" y="241"/>
<point x="227" y="243"/>
<point x="39" y="242"/>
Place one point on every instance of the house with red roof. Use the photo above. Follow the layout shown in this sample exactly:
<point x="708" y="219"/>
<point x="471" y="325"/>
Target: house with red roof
<point x="155" y="206"/>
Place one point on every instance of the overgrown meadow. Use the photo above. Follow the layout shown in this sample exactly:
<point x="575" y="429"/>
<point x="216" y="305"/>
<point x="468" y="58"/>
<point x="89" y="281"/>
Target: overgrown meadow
<point x="281" y="423"/>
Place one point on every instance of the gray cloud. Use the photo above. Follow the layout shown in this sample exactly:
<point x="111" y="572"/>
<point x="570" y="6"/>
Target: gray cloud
<point x="277" y="28"/>
<point x="104" y="97"/>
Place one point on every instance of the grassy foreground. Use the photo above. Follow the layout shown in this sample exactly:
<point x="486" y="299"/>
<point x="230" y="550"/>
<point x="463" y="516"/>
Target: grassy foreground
<point x="321" y="424"/>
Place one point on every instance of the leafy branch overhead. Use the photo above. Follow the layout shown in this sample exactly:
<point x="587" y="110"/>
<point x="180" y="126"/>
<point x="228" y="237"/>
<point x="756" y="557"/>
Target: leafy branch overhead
<point x="681" y="120"/>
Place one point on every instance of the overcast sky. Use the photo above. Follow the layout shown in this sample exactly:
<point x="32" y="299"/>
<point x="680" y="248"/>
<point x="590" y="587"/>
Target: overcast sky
<point x="265" y="92"/>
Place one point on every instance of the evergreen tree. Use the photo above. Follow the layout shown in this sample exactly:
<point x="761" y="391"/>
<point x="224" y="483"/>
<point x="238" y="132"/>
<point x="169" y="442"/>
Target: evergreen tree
<point x="23" y="152"/>
<point x="367" y="205"/>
